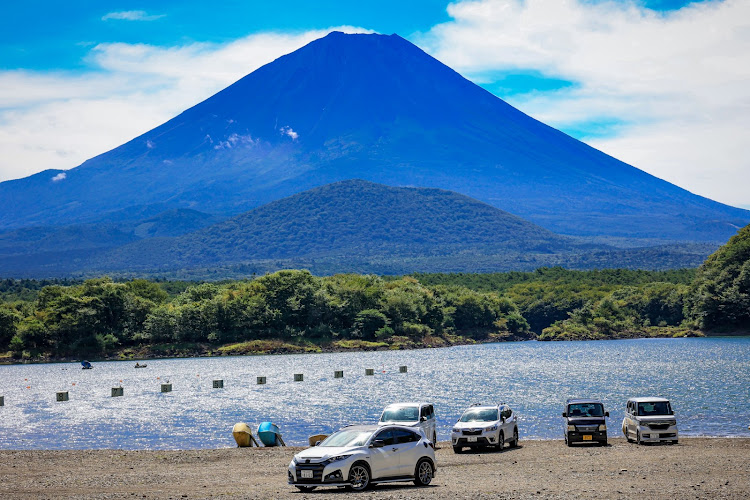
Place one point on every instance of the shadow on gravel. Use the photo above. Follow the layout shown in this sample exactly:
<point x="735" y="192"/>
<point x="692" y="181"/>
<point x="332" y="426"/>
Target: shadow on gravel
<point x="486" y="451"/>
<point x="392" y="487"/>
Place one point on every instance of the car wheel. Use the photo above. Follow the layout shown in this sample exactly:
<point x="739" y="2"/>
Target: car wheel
<point x="500" y="441"/>
<point x="423" y="473"/>
<point x="458" y="449"/>
<point x="514" y="443"/>
<point x="675" y="441"/>
<point x="567" y="441"/>
<point x="359" y="477"/>
<point x="603" y="443"/>
<point x="638" y="437"/>
<point x="627" y="434"/>
<point x="434" y="438"/>
<point x="305" y="489"/>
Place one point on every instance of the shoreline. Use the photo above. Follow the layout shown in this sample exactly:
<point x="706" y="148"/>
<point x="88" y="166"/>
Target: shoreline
<point x="697" y="467"/>
<point x="279" y="347"/>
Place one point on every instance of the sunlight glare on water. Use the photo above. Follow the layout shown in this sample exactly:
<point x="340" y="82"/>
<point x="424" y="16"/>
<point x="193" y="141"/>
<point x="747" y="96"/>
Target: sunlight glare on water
<point x="707" y="380"/>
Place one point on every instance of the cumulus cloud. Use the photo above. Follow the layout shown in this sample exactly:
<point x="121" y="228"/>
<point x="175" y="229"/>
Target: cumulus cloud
<point x="58" y="120"/>
<point x="132" y="15"/>
<point x="676" y="83"/>
<point x="59" y="177"/>
<point x="289" y="132"/>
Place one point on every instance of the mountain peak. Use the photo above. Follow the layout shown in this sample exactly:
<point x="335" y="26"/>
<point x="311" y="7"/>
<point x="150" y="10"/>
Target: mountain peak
<point x="374" y="107"/>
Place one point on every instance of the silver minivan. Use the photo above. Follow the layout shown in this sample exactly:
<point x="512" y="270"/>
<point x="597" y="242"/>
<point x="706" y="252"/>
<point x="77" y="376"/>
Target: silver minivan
<point x="420" y="415"/>
<point x="649" y="420"/>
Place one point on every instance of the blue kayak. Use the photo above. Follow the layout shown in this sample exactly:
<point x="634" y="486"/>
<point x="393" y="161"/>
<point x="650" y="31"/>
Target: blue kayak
<point x="86" y="365"/>
<point x="269" y="434"/>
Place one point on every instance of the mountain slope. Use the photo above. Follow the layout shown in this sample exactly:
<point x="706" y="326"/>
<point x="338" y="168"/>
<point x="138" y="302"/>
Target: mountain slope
<point x="348" y="219"/>
<point x="378" y="108"/>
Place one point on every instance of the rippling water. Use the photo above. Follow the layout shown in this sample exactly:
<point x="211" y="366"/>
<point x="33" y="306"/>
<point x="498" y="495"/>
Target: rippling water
<point x="707" y="380"/>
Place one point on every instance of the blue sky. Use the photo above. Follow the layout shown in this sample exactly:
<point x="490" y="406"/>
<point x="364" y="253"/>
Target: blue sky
<point x="622" y="76"/>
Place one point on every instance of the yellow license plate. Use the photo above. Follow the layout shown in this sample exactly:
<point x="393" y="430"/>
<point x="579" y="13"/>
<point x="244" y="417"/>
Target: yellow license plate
<point x="587" y="437"/>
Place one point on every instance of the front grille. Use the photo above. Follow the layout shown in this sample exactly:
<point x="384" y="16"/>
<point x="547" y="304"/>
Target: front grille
<point x="659" y="427"/>
<point x="482" y="441"/>
<point x="317" y="473"/>
<point x="472" y="432"/>
<point x="587" y="428"/>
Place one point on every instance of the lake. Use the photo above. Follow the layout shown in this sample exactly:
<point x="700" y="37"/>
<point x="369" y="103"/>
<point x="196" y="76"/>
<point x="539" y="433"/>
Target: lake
<point x="707" y="380"/>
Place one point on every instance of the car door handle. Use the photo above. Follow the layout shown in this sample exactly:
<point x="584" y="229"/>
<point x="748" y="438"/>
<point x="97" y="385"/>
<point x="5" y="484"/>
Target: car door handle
<point x="394" y="449"/>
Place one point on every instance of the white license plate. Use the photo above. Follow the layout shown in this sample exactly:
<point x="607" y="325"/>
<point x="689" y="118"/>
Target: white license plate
<point x="472" y="439"/>
<point x="306" y="474"/>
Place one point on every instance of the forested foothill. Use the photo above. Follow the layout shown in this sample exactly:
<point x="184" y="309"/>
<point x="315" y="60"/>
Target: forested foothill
<point x="295" y="311"/>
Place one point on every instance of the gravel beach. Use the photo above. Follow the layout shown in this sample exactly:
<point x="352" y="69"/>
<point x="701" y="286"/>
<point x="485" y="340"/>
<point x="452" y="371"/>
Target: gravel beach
<point x="695" y="468"/>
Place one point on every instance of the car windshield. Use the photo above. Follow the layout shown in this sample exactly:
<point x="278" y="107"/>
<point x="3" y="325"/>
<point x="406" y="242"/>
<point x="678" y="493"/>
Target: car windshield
<point x="400" y="414"/>
<point x="655" y="408"/>
<point x="347" y="438"/>
<point x="480" y="415"/>
<point x="586" y="410"/>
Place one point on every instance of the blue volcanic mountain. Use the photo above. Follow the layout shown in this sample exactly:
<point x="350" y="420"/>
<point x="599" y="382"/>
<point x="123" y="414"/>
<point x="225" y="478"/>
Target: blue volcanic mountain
<point x="372" y="107"/>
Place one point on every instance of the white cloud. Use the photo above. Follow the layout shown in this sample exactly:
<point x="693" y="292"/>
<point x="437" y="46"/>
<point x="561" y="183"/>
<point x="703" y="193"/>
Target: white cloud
<point x="58" y="120"/>
<point x="132" y="15"/>
<point x="59" y="177"/>
<point x="289" y="132"/>
<point x="678" y="81"/>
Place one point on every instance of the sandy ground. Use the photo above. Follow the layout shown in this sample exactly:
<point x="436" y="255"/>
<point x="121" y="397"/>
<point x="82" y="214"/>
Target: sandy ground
<point x="696" y="468"/>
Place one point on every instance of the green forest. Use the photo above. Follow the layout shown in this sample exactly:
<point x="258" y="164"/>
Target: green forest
<point x="295" y="311"/>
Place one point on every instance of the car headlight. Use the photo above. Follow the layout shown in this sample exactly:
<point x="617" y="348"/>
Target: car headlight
<point x="456" y="430"/>
<point x="602" y="427"/>
<point x="335" y="459"/>
<point x="491" y="428"/>
<point x="571" y="428"/>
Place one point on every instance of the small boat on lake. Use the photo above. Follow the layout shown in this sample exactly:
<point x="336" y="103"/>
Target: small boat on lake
<point x="138" y="365"/>
<point x="270" y="435"/>
<point x="85" y="365"/>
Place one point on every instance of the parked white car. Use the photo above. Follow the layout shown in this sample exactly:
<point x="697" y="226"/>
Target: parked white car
<point x="649" y="420"/>
<point x="420" y="415"/>
<point x="485" y="427"/>
<point x="357" y="456"/>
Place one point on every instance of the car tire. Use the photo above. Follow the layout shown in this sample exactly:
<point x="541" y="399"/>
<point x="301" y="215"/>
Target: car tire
<point x="434" y="438"/>
<point x="359" y="476"/>
<point x="500" y="441"/>
<point x="603" y="443"/>
<point x="514" y="443"/>
<point x="567" y="441"/>
<point x="423" y="472"/>
<point x="458" y="449"/>
<point x="306" y="489"/>
<point x="638" y="437"/>
<point x="676" y="441"/>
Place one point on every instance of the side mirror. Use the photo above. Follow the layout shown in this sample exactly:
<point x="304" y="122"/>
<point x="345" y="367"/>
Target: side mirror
<point x="606" y="413"/>
<point x="565" y="414"/>
<point x="378" y="443"/>
<point x="423" y="419"/>
<point x="317" y="443"/>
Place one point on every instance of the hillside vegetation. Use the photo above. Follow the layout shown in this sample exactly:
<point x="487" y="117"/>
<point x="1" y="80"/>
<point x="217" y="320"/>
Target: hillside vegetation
<point x="295" y="311"/>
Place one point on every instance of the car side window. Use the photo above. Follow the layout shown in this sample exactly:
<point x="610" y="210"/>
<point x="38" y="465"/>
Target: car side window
<point x="423" y="413"/>
<point x="387" y="437"/>
<point x="430" y="412"/>
<point x="404" y="436"/>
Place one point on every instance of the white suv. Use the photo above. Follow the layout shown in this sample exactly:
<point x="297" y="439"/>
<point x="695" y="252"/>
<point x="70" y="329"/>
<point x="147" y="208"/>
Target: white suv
<point x="358" y="456"/>
<point x="649" y="420"/>
<point x="485" y="427"/>
<point x="420" y="415"/>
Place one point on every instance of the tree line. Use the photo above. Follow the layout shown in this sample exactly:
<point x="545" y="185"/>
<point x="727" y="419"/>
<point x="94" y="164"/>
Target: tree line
<point x="100" y="316"/>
